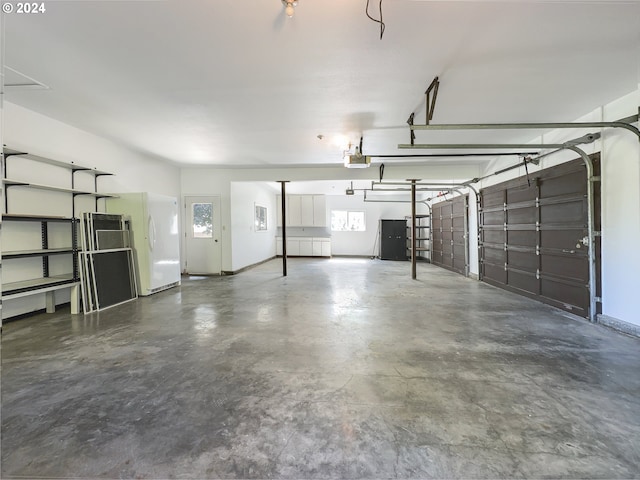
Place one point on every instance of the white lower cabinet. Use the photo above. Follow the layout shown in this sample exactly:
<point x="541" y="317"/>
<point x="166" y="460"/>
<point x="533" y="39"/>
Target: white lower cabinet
<point x="293" y="247"/>
<point x="326" y="248"/>
<point x="305" y="247"/>
<point x="316" y="248"/>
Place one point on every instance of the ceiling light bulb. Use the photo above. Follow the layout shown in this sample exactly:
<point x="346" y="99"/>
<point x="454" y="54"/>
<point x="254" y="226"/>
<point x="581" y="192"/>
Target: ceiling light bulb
<point x="289" y="10"/>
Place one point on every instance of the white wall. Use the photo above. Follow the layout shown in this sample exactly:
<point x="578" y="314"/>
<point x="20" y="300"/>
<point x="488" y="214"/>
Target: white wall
<point x="37" y="134"/>
<point x="248" y="245"/>
<point x="364" y="243"/>
<point x="620" y="202"/>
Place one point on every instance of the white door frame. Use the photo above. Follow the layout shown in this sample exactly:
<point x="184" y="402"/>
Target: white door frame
<point x="212" y="262"/>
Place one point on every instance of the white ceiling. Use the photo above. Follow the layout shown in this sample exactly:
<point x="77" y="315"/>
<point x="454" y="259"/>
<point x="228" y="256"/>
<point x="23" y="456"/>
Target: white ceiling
<point x="235" y="82"/>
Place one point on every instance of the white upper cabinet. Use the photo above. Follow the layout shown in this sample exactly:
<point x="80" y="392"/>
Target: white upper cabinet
<point x="319" y="211"/>
<point x="294" y="211"/>
<point x="306" y="209"/>
<point x="303" y="211"/>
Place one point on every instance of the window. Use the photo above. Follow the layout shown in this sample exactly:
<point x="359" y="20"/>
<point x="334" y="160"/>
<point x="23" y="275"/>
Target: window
<point x="202" y="220"/>
<point x="261" y="218"/>
<point x="346" y="221"/>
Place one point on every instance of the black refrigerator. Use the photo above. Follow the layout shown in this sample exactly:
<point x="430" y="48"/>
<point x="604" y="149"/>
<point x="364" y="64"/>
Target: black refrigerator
<point x="393" y="239"/>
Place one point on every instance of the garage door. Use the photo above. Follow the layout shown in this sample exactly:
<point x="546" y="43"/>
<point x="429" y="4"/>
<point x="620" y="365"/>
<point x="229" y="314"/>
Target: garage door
<point x="450" y="239"/>
<point x="534" y="236"/>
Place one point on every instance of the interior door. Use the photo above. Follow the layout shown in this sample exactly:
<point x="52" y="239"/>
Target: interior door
<point x="203" y="235"/>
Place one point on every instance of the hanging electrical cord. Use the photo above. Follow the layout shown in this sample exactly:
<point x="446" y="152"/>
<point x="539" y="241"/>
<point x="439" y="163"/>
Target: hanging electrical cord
<point x="382" y="25"/>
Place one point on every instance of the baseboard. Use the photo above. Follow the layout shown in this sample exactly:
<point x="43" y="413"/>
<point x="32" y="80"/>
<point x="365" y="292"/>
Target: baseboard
<point x="243" y="269"/>
<point x="619" y="325"/>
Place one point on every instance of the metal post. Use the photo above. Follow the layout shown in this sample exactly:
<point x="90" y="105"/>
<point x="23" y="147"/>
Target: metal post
<point x="413" y="229"/>
<point x="283" y="193"/>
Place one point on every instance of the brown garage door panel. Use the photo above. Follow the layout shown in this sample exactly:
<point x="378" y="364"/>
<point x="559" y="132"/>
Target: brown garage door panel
<point x="494" y="256"/>
<point x="566" y="296"/>
<point x="436" y="222"/>
<point x="569" y="183"/>
<point x="459" y="265"/>
<point x="494" y="273"/>
<point x="446" y="236"/>
<point x="570" y="267"/>
<point x="573" y="212"/>
<point x="527" y="261"/>
<point x="523" y="281"/>
<point x="458" y="251"/>
<point x="493" y="236"/>
<point x="458" y="208"/>
<point x="522" y="215"/>
<point x="563" y="239"/>
<point x="447" y="261"/>
<point x="524" y="194"/>
<point x="523" y="238"/>
<point x="493" y="199"/>
<point x="493" y="218"/>
<point x="458" y="223"/>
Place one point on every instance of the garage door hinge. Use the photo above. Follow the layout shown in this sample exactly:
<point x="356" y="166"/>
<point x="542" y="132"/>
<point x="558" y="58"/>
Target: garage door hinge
<point x="537" y="274"/>
<point x="598" y="299"/>
<point x="538" y="250"/>
<point x="597" y="233"/>
<point x="596" y="178"/>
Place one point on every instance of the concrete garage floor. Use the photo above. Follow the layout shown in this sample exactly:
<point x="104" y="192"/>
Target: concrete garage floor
<point x="344" y="369"/>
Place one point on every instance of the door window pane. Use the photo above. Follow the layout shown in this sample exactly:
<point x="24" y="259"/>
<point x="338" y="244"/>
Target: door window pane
<point x="202" y="215"/>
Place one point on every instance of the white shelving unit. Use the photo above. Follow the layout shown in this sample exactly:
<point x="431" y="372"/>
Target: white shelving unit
<point x="19" y="237"/>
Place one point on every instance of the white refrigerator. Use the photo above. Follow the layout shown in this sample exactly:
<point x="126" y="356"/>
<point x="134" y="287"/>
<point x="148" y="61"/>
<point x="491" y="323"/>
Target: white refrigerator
<point x="156" y="242"/>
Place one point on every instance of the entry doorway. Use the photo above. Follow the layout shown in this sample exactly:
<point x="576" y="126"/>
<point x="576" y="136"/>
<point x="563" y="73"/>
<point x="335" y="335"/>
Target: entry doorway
<point x="203" y="234"/>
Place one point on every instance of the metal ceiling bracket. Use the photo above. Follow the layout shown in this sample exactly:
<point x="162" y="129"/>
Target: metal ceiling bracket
<point x="412" y="134"/>
<point x="431" y="100"/>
